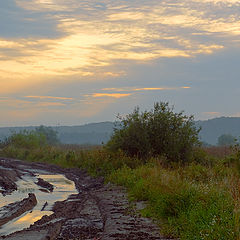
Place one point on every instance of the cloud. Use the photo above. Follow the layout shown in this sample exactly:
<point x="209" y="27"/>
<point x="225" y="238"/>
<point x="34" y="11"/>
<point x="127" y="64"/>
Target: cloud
<point x="159" y="88"/>
<point x="207" y="115"/>
<point x="74" y="48"/>
<point x="49" y="104"/>
<point x="112" y="95"/>
<point x="134" y="31"/>
<point x="19" y="103"/>
<point x="212" y="113"/>
<point x="151" y="89"/>
<point x="133" y="89"/>
<point x="49" y="112"/>
<point x="117" y="92"/>
<point x="43" y="5"/>
<point x="17" y="22"/>
<point x="49" y="97"/>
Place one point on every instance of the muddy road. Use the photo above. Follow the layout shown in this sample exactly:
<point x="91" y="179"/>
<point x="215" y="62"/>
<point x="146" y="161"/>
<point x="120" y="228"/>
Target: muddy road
<point x="40" y="201"/>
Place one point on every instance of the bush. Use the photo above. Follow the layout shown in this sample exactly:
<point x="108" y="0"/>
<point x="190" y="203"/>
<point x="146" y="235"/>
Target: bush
<point x="26" y="139"/>
<point x="226" y="140"/>
<point x="159" y="131"/>
<point x="50" y="134"/>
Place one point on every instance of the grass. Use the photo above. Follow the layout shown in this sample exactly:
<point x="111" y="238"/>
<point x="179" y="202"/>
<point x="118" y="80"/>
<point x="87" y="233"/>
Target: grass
<point x="219" y="151"/>
<point x="200" y="200"/>
<point x="184" y="206"/>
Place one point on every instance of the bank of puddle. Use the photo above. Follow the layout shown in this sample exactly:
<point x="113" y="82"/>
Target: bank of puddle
<point x="63" y="188"/>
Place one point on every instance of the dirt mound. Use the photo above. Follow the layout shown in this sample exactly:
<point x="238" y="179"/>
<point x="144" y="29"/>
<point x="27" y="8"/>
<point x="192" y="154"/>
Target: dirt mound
<point x="7" y="181"/>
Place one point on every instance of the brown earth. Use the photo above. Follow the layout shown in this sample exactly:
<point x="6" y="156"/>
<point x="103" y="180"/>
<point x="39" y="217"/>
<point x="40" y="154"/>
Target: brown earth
<point x="97" y="212"/>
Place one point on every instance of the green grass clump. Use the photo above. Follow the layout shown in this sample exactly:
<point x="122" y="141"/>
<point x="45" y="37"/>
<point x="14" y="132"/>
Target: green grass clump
<point x="184" y="208"/>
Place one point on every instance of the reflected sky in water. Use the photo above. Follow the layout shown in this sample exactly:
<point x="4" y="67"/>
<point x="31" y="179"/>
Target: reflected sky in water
<point x="62" y="189"/>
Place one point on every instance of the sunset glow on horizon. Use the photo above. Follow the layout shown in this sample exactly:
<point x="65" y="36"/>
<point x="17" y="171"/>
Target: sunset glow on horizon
<point x="72" y="62"/>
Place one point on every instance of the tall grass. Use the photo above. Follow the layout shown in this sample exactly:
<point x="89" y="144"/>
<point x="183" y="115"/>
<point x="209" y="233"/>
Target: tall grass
<point x="219" y="151"/>
<point x="190" y="203"/>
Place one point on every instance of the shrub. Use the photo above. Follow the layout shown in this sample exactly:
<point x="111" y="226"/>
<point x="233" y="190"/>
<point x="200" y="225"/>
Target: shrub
<point x="159" y="131"/>
<point x="226" y="140"/>
<point x="50" y="134"/>
<point x="26" y="139"/>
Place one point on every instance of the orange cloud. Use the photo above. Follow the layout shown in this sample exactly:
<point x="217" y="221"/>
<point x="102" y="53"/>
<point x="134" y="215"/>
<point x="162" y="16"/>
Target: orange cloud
<point x="123" y="89"/>
<point x="185" y="87"/>
<point x="113" y="95"/>
<point x="132" y="89"/>
<point x="151" y="89"/>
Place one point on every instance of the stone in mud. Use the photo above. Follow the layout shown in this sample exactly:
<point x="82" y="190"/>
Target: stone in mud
<point x="16" y="209"/>
<point x="45" y="184"/>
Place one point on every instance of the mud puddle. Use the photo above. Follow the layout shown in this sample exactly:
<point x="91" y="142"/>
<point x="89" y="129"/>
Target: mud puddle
<point x="62" y="189"/>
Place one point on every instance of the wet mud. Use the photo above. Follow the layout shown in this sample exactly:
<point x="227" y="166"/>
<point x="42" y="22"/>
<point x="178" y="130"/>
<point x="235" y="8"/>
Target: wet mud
<point x="90" y="210"/>
<point x="16" y="209"/>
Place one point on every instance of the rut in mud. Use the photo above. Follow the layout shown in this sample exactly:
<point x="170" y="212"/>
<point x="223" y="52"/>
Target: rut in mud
<point x="62" y="204"/>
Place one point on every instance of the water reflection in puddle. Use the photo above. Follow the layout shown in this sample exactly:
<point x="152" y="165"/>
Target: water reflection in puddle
<point x="62" y="189"/>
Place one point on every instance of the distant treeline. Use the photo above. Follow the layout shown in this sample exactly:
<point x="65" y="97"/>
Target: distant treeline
<point x="98" y="133"/>
<point x="94" y="133"/>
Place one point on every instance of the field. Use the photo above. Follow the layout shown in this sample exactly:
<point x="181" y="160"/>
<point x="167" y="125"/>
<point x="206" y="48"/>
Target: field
<point x="198" y="200"/>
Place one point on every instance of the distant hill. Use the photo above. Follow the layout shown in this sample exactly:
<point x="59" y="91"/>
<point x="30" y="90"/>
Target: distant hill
<point x="213" y="128"/>
<point x="98" y="133"/>
<point x="93" y="133"/>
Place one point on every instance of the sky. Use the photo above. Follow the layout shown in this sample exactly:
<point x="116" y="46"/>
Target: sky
<point x="71" y="62"/>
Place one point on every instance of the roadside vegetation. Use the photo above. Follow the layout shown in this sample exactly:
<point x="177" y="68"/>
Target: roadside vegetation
<point x="192" y="192"/>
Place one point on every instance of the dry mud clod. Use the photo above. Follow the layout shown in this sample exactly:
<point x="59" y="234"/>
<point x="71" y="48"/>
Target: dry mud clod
<point x="44" y="184"/>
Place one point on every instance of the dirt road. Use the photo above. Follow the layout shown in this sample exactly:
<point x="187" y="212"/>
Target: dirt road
<point x="92" y="211"/>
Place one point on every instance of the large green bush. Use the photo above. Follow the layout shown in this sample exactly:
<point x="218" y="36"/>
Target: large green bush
<point x="159" y="131"/>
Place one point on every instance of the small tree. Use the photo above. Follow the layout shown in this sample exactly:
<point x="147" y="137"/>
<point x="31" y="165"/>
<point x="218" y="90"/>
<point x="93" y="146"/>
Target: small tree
<point x="226" y="140"/>
<point x="49" y="133"/>
<point x="159" y="131"/>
